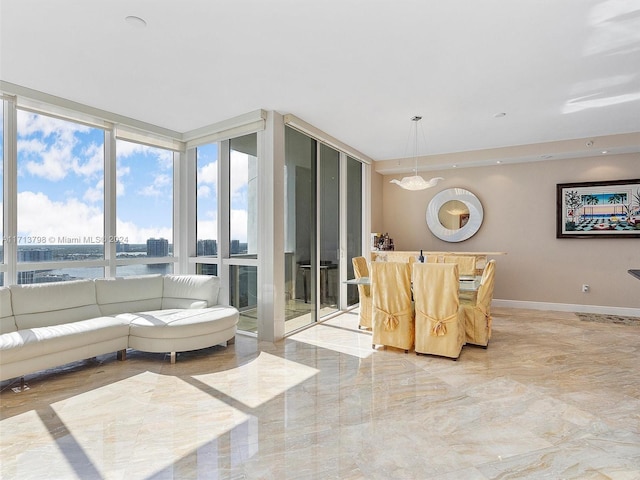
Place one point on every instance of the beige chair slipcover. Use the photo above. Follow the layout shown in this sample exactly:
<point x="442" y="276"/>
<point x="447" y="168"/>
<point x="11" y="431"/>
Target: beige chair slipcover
<point x="439" y="317"/>
<point x="392" y="308"/>
<point x="466" y="264"/>
<point x="360" y="269"/>
<point x="411" y="260"/>
<point x="477" y="312"/>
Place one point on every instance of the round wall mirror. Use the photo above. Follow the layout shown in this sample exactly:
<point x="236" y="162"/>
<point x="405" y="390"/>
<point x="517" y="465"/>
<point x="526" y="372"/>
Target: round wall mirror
<point x="454" y="215"/>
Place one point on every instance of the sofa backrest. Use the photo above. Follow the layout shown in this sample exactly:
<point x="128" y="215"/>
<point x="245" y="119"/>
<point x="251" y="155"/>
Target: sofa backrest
<point x="45" y="304"/>
<point x="7" y="321"/>
<point x="190" y="291"/>
<point x="129" y="294"/>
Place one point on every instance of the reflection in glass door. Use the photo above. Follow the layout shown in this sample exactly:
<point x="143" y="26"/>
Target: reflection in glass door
<point x="329" y="229"/>
<point x="300" y="230"/>
<point x="354" y="222"/>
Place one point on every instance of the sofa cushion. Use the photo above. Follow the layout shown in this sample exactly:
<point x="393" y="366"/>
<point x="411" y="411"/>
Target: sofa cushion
<point x="129" y="294"/>
<point x="34" y="342"/>
<point x="46" y="304"/>
<point x="179" y="323"/>
<point x="7" y="322"/>
<point x="190" y="291"/>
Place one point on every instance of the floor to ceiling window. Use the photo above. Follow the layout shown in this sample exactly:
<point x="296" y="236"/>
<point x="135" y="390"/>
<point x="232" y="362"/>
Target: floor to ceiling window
<point x="89" y="199"/>
<point x="144" y="220"/>
<point x="207" y="161"/>
<point x="60" y="202"/>
<point x="227" y="221"/>
<point x="243" y="229"/>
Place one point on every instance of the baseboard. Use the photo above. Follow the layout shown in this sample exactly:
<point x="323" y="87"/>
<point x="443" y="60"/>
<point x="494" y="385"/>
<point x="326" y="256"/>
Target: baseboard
<point x="567" y="307"/>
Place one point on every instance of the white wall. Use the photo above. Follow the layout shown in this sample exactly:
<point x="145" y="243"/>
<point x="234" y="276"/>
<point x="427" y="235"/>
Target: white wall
<point x="519" y="202"/>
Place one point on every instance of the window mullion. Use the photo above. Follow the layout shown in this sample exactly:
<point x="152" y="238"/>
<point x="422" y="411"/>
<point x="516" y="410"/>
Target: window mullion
<point x="10" y="191"/>
<point x="110" y="192"/>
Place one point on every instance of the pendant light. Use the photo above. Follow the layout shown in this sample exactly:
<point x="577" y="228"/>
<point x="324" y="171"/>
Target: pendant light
<point x="416" y="182"/>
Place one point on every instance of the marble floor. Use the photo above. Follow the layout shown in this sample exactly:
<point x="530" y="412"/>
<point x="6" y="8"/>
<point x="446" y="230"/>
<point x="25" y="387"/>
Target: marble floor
<point x="552" y="397"/>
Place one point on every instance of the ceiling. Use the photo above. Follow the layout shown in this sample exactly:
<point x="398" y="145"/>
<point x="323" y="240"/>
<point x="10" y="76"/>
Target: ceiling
<point x="355" y="69"/>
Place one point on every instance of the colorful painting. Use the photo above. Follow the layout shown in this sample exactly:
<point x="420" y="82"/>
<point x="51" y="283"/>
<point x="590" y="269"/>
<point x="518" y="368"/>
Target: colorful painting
<point x="598" y="209"/>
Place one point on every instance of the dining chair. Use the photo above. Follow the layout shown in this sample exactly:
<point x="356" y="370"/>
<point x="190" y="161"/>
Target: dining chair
<point x="477" y="311"/>
<point x="392" y="320"/>
<point x="361" y="269"/>
<point x="411" y="260"/>
<point x="466" y="263"/>
<point x="439" y="317"/>
<point x="431" y="258"/>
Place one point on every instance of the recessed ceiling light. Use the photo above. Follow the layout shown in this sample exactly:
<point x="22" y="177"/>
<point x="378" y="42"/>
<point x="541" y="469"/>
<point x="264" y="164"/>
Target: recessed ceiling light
<point x="454" y="166"/>
<point x="605" y="151"/>
<point x="499" y="114"/>
<point x="498" y="161"/>
<point x="135" y="21"/>
<point x="546" y="156"/>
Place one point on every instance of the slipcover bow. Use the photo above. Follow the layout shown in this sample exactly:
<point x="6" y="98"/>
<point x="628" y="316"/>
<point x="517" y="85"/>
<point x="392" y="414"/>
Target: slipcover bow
<point x="439" y="328"/>
<point x="391" y="321"/>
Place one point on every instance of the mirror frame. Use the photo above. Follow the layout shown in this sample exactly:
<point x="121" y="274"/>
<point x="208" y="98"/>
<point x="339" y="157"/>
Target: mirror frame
<point x="476" y="215"/>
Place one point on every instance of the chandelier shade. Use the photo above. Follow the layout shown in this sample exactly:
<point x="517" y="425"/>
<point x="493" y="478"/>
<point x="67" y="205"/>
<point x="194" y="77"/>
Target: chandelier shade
<point x="416" y="182"/>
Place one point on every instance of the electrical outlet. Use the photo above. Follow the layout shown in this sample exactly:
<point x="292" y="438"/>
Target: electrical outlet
<point x="585" y="288"/>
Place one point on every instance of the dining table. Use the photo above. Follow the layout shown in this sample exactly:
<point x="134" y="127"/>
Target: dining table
<point x="466" y="283"/>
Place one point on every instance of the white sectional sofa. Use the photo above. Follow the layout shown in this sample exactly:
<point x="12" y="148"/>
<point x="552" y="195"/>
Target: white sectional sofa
<point x="46" y="325"/>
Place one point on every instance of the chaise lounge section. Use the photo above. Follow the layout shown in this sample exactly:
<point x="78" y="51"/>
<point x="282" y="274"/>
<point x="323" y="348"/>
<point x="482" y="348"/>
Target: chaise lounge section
<point x="47" y="325"/>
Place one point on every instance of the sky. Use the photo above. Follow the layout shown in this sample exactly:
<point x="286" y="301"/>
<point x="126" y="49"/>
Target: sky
<point x="61" y="186"/>
<point x="207" y="179"/>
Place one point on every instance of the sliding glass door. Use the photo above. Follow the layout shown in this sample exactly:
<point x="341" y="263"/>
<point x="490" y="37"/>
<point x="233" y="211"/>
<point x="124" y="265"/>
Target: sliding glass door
<point x="329" y="229"/>
<point x="300" y="230"/>
<point x="315" y="198"/>
<point x="354" y="222"/>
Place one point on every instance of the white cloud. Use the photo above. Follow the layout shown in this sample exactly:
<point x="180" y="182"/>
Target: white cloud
<point x="51" y="155"/>
<point x="203" y="191"/>
<point x="131" y="233"/>
<point x="158" y="187"/>
<point x="126" y="149"/>
<point x="96" y="193"/>
<point x="239" y="174"/>
<point x="238" y="225"/>
<point x="121" y="172"/>
<point x="31" y="123"/>
<point x="94" y="165"/>
<point x="39" y="216"/>
<point x="208" y="174"/>
<point x="207" y="229"/>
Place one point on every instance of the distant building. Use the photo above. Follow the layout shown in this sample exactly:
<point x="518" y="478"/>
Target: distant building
<point x="207" y="269"/>
<point x="207" y="248"/>
<point x="238" y="248"/>
<point x="26" y="277"/>
<point x="35" y="255"/>
<point x="157" y="247"/>
<point x="122" y="247"/>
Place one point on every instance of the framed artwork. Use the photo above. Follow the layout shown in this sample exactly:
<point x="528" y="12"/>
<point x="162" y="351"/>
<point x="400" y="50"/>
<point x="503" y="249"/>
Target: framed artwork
<point x="598" y="209"/>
